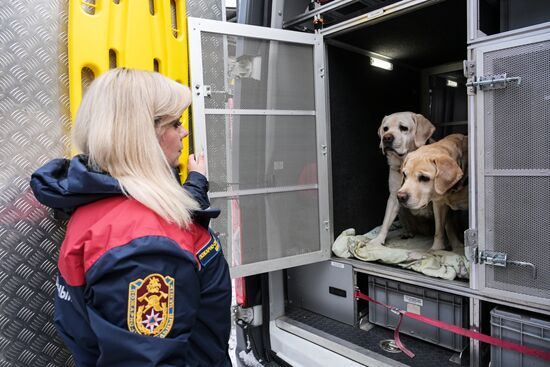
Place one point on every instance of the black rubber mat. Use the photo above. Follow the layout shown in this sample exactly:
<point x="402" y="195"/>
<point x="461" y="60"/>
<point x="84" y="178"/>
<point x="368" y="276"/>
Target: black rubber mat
<point x="427" y="355"/>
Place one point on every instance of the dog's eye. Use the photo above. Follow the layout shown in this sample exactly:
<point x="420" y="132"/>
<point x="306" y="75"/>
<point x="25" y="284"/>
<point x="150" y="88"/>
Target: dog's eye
<point x="385" y="128"/>
<point x="403" y="128"/>
<point x="404" y="175"/>
<point x="423" y="178"/>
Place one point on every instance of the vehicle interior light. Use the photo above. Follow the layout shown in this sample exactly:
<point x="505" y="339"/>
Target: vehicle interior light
<point x="452" y="83"/>
<point x="379" y="63"/>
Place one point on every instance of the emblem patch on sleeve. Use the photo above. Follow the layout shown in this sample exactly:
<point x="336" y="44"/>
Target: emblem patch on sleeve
<point x="209" y="251"/>
<point x="151" y="305"/>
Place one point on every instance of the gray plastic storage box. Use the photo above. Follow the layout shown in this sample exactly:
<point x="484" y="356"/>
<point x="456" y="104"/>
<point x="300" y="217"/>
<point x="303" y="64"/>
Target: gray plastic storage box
<point x="437" y="305"/>
<point x="531" y="331"/>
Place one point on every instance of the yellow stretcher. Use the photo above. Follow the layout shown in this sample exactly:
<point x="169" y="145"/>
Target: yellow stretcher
<point x="141" y="34"/>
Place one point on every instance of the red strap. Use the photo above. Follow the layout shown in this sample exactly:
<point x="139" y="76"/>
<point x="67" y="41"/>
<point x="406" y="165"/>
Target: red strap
<point x="397" y="339"/>
<point x="455" y="329"/>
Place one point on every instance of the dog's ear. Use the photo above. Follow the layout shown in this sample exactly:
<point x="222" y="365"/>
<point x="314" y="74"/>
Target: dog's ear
<point x="381" y="132"/>
<point x="424" y="129"/>
<point x="404" y="163"/>
<point x="447" y="173"/>
<point x="402" y="167"/>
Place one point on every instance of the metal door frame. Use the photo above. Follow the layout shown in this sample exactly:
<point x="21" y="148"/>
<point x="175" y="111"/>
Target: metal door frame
<point x="196" y="26"/>
<point x="477" y="193"/>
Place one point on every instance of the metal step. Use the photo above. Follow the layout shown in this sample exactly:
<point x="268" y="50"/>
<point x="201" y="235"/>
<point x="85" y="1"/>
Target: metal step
<point x="331" y="333"/>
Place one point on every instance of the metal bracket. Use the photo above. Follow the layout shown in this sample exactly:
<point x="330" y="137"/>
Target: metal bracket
<point x="470" y="242"/>
<point x="501" y="259"/>
<point x="470" y="73"/>
<point x="491" y="82"/>
<point x="469" y="69"/>
<point x="251" y="315"/>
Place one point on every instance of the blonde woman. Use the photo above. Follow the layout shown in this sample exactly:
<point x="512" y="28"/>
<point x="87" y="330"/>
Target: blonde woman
<point x="142" y="281"/>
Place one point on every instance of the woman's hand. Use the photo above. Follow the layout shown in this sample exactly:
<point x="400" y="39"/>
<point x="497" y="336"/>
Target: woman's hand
<point x="196" y="164"/>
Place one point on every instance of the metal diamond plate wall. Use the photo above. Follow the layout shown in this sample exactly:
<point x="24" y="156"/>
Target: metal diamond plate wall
<point x="211" y="9"/>
<point x="34" y="123"/>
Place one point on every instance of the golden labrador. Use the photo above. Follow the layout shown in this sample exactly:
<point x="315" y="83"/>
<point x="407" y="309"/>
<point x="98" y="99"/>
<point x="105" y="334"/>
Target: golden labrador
<point x="400" y="133"/>
<point x="438" y="173"/>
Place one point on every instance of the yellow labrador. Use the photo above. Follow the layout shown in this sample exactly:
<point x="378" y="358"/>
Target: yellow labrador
<point x="400" y="133"/>
<point x="438" y="173"/>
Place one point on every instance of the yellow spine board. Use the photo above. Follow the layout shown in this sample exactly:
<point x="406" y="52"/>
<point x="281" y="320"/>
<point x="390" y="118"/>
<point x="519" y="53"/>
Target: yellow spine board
<point x="140" y="34"/>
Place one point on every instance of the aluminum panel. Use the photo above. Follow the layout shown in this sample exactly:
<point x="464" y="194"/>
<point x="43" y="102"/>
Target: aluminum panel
<point x="247" y="83"/>
<point x="514" y="166"/>
<point x="211" y="9"/>
<point x="519" y="226"/>
<point x="257" y="148"/>
<point x="34" y="121"/>
<point x="264" y="227"/>
<point x="518" y="117"/>
<point x="292" y="161"/>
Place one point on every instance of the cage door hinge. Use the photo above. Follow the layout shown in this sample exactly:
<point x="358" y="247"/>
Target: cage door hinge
<point x="495" y="258"/>
<point x="469" y="69"/>
<point x="470" y="242"/>
<point x="492" y="82"/>
<point x="469" y="73"/>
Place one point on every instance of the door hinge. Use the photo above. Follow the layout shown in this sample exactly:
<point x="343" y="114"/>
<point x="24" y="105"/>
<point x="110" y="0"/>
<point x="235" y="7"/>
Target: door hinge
<point x="470" y="244"/>
<point x="469" y="74"/>
<point x="495" y="258"/>
<point x="469" y="69"/>
<point x="492" y="82"/>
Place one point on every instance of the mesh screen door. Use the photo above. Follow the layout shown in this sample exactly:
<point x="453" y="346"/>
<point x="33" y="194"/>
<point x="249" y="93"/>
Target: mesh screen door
<point x="261" y="122"/>
<point x="514" y="155"/>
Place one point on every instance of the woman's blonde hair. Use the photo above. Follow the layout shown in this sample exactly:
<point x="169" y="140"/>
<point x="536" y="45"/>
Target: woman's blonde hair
<point x="117" y="126"/>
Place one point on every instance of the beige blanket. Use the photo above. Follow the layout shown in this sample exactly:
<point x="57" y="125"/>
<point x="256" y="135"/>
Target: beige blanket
<point x="411" y="253"/>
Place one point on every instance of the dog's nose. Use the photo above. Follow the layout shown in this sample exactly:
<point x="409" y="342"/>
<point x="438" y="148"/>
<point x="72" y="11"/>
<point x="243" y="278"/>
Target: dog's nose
<point x="402" y="196"/>
<point x="388" y="138"/>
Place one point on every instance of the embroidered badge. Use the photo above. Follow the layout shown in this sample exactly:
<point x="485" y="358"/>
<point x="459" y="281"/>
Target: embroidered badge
<point x="209" y="251"/>
<point x="151" y="305"/>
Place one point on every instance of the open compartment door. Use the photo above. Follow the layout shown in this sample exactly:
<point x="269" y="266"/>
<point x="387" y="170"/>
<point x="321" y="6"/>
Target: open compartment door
<point x="513" y="168"/>
<point x="259" y="116"/>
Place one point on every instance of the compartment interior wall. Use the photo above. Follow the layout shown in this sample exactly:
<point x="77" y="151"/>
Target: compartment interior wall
<point x="360" y="96"/>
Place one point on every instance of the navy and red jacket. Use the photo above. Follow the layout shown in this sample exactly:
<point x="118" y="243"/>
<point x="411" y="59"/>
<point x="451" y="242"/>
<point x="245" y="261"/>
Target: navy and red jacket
<point x="133" y="289"/>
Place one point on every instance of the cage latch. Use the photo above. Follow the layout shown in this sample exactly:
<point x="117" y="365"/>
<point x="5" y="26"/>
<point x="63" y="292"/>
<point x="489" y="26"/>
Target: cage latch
<point x="501" y="259"/>
<point x="491" y="82"/>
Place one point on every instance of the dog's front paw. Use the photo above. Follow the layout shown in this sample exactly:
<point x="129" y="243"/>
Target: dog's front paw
<point x="406" y="235"/>
<point x="456" y="245"/>
<point x="377" y="241"/>
<point x="438" y="245"/>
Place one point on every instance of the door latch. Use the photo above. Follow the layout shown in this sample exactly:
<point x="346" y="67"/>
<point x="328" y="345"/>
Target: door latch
<point x="491" y="82"/>
<point x="501" y="259"/>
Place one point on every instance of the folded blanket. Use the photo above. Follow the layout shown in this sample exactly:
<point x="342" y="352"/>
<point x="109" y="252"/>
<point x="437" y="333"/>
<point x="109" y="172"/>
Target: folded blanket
<point x="411" y="253"/>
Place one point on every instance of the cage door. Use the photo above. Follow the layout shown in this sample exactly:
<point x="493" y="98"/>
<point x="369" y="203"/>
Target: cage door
<point x="513" y="174"/>
<point x="258" y="114"/>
